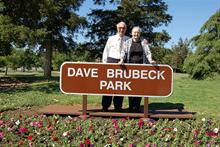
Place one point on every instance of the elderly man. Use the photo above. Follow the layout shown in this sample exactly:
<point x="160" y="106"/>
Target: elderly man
<point x="112" y="54"/>
<point x="136" y="51"/>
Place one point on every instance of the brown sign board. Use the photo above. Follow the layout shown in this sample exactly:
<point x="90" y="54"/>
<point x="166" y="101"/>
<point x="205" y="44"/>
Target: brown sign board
<point x="143" y="80"/>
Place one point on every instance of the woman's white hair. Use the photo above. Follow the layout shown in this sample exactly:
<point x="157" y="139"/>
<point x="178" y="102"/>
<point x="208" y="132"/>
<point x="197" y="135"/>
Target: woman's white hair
<point x="136" y="27"/>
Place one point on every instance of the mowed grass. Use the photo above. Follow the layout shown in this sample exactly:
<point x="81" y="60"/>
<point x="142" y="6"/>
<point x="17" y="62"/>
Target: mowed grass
<point x="200" y="96"/>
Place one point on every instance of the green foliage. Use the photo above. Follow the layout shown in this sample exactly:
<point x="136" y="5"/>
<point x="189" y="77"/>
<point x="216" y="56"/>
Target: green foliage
<point x="179" y="54"/>
<point x="59" y="58"/>
<point x="50" y="24"/>
<point x="2" y="61"/>
<point x="24" y="58"/>
<point x="206" y="59"/>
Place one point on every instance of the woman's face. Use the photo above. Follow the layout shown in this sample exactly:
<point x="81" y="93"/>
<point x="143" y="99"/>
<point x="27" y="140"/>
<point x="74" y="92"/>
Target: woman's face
<point x="136" y="33"/>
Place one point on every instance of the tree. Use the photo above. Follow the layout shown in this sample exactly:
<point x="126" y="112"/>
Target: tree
<point x="206" y="59"/>
<point x="48" y="23"/>
<point x="144" y="13"/>
<point x="179" y="53"/>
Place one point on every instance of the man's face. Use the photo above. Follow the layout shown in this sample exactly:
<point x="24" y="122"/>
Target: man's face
<point x="121" y="28"/>
<point x="136" y="33"/>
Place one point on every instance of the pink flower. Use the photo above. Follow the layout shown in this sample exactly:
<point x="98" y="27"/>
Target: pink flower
<point x="37" y="123"/>
<point x="81" y="144"/>
<point x="213" y="134"/>
<point x="147" y="145"/>
<point x="23" y="130"/>
<point x="79" y="128"/>
<point x="40" y="124"/>
<point x="1" y="122"/>
<point x="30" y="144"/>
<point x="130" y="145"/>
<point x="114" y="121"/>
<point x="1" y="135"/>
<point x="33" y="124"/>
<point x="50" y="129"/>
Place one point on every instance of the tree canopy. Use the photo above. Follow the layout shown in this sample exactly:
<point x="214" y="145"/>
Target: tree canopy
<point x="206" y="59"/>
<point x="48" y="23"/>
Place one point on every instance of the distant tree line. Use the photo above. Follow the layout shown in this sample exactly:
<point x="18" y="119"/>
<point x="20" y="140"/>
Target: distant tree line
<point x="42" y="34"/>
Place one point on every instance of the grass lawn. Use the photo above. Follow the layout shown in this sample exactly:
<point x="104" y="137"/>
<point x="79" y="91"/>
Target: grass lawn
<point x="31" y="89"/>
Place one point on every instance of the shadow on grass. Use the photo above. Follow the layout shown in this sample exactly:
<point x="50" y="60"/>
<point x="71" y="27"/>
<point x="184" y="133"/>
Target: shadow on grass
<point x="21" y="83"/>
<point x="164" y="106"/>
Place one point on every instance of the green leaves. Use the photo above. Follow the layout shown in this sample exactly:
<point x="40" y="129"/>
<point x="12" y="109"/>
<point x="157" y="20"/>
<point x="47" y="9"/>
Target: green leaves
<point x="206" y="59"/>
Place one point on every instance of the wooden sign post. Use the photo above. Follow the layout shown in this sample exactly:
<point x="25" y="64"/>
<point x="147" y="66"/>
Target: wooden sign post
<point x="142" y="80"/>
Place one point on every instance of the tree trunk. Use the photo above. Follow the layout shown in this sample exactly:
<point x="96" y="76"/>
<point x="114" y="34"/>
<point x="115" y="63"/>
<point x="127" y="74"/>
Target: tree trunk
<point x="6" y="70"/>
<point x="48" y="62"/>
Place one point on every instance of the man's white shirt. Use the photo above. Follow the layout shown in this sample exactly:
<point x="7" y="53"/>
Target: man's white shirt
<point x="113" y="47"/>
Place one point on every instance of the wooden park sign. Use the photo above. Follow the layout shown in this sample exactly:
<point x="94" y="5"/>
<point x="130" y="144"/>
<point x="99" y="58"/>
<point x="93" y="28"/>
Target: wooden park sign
<point x="144" y="80"/>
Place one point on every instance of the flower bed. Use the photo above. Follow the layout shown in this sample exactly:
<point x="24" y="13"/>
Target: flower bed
<point x="41" y="130"/>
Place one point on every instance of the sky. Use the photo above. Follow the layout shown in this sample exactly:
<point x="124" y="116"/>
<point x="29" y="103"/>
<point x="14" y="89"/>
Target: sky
<point x="188" y="17"/>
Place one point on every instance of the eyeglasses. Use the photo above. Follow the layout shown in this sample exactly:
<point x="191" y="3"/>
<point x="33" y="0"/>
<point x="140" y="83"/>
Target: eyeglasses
<point x="121" y="27"/>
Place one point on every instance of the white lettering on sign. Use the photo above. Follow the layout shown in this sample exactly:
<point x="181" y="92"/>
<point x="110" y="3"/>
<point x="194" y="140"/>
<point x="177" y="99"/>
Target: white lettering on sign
<point x="135" y="74"/>
<point x="115" y="85"/>
<point x="83" y="72"/>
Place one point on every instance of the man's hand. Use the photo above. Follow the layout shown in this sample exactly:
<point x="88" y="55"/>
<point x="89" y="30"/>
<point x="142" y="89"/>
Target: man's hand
<point x="121" y="61"/>
<point x="153" y="62"/>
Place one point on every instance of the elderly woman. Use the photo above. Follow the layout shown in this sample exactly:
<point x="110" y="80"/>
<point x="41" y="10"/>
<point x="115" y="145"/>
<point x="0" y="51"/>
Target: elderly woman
<point x="136" y="51"/>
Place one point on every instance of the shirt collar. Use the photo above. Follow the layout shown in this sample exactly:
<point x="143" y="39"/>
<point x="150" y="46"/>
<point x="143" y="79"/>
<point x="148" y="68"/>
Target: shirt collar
<point x="119" y="38"/>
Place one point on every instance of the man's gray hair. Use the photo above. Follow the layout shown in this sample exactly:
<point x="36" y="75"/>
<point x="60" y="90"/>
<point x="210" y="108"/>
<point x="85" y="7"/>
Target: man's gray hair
<point x="136" y="27"/>
<point x="121" y="23"/>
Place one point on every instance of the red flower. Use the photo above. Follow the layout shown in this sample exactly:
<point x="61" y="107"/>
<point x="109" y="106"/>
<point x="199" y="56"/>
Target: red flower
<point x="116" y="128"/>
<point x="140" y="123"/>
<point x="213" y="134"/>
<point x="30" y="137"/>
<point x="124" y="119"/>
<point x="88" y="142"/>
<point x="195" y="132"/>
<point x="197" y="143"/>
<point x="90" y="128"/>
<point x="21" y="143"/>
<point x="20" y="116"/>
<point x="1" y="135"/>
<point x="55" y="138"/>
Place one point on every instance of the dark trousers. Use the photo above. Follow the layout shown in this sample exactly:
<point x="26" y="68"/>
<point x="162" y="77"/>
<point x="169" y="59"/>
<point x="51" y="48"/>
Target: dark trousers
<point x="134" y="103"/>
<point x="107" y="100"/>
